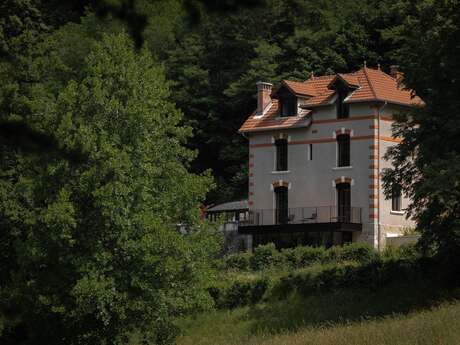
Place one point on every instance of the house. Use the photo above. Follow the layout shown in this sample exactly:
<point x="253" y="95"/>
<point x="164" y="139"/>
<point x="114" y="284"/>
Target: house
<point x="316" y="154"/>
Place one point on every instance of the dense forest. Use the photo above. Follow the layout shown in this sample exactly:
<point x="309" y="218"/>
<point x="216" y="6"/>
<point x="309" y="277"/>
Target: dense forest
<point x="119" y="118"/>
<point x="214" y="55"/>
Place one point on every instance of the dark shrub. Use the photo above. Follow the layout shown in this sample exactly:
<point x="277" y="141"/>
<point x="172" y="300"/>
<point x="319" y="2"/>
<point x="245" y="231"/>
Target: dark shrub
<point x="259" y="289"/>
<point x="309" y="255"/>
<point x="242" y="293"/>
<point x="265" y="256"/>
<point x="302" y="256"/>
<point x="332" y="254"/>
<point x="237" y="261"/>
<point x="408" y="251"/>
<point x="238" y="294"/>
<point x="290" y="257"/>
<point x="218" y="295"/>
<point x="359" y="252"/>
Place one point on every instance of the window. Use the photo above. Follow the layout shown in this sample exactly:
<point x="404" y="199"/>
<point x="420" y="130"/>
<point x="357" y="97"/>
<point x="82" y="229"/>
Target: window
<point x="343" y="148"/>
<point x="343" y="202"/>
<point x="281" y="195"/>
<point x="396" y="199"/>
<point x="288" y="106"/>
<point x="343" y="109"/>
<point x="310" y="152"/>
<point x="281" y="155"/>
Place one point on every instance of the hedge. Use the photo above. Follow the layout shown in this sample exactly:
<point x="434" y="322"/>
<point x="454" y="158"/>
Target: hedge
<point x="267" y="256"/>
<point x="373" y="272"/>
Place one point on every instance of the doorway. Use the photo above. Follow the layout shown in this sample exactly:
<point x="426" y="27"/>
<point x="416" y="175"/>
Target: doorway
<point x="343" y="202"/>
<point x="281" y="212"/>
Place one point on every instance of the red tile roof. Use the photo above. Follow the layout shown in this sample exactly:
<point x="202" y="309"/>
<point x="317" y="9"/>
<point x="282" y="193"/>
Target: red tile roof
<point x="300" y="88"/>
<point x="271" y="120"/>
<point x="370" y="85"/>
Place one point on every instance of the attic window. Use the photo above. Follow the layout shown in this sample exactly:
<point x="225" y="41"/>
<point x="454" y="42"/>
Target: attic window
<point x="288" y="106"/>
<point x="287" y="103"/>
<point x="343" y="109"/>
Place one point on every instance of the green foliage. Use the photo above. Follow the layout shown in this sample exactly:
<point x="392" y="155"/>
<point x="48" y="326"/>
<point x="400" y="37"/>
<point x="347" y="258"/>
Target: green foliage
<point x="89" y="249"/>
<point x="419" y="313"/>
<point x="237" y="261"/>
<point x="426" y="169"/>
<point x="241" y="292"/>
<point x="358" y="252"/>
<point x="264" y="257"/>
<point x="215" y="67"/>
<point x="268" y="257"/>
<point x="364" y="273"/>
<point x="303" y="256"/>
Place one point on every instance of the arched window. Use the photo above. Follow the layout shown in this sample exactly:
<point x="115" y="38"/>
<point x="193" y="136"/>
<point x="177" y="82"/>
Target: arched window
<point x="281" y="154"/>
<point x="343" y="150"/>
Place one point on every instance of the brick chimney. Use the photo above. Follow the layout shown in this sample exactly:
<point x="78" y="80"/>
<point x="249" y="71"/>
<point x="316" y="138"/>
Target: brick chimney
<point x="264" y="91"/>
<point x="394" y="71"/>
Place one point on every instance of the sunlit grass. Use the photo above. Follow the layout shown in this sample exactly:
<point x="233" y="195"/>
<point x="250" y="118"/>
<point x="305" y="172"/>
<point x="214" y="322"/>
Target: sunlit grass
<point x="436" y="326"/>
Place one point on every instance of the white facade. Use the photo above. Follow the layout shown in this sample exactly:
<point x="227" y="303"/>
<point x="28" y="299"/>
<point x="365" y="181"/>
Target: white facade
<point x="312" y="172"/>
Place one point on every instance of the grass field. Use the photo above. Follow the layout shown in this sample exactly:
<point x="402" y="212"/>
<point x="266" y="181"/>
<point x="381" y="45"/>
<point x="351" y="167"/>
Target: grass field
<point x="406" y="312"/>
<point x="438" y="325"/>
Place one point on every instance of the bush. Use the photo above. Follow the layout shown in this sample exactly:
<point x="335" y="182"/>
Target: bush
<point x="371" y="273"/>
<point x="359" y="252"/>
<point x="240" y="293"/>
<point x="237" y="261"/>
<point x="332" y="254"/>
<point x="302" y="256"/>
<point x="310" y="255"/>
<point x="408" y="251"/>
<point x="265" y="256"/>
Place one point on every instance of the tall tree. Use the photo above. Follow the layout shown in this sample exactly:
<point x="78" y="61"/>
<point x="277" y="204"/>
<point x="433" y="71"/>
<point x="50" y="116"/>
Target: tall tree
<point x="427" y="162"/>
<point x="89" y="251"/>
<point x="215" y="67"/>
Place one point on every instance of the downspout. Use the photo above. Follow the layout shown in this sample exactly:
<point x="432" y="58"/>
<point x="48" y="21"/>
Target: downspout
<point x="378" y="174"/>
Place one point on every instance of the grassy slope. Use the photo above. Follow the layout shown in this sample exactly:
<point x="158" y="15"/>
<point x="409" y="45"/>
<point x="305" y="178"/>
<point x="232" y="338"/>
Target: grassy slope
<point x="436" y="326"/>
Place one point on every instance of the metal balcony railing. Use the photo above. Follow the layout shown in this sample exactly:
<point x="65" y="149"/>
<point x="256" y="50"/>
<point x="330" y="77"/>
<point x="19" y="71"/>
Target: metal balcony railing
<point x="304" y="215"/>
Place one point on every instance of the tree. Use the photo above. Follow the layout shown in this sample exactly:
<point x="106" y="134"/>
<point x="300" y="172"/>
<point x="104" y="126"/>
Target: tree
<point x="89" y="251"/>
<point x="427" y="162"/>
<point x="215" y="66"/>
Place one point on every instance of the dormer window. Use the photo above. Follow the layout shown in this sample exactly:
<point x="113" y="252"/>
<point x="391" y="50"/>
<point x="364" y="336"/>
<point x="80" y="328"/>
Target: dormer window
<point x="287" y="102"/>
<point x="343" y="109"/>
<point x="343" y="86"/>
<point x="288" y="106"/>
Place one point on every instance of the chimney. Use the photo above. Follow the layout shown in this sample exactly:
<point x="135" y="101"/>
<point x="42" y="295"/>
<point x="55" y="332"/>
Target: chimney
<point x="264" y="91"/>
<point x="394" y="71"/>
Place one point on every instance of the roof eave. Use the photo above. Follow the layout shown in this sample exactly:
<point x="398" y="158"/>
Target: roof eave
<point x="267" y="129"/>
<point x="379" y="100"/>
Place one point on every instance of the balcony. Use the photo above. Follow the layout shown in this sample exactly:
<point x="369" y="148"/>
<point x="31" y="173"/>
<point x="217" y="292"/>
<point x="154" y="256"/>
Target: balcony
<point x="320" y="218"/>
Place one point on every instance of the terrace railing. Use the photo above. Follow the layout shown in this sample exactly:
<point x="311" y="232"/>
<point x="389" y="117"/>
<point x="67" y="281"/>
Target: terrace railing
<point x="301" y="215"/>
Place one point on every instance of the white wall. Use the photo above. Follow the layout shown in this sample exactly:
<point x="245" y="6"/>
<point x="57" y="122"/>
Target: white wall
<point x="311" y="182"/>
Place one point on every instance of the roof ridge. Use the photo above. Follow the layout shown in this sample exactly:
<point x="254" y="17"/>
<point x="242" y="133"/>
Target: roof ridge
<point x="321" y="77"/>
<point x="293" y="81"/>
<point x="387" y="75"/>
<point x="369" y="82"/>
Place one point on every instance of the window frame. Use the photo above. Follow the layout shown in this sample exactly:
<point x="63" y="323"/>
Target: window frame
<point x="288" y="103"/>
<point x="281" y="155"/>
<point x="281" y="204"/>
<point x="343" y="150"/>
<point x="343" y="109"/>
<point x="396" y="199"/>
